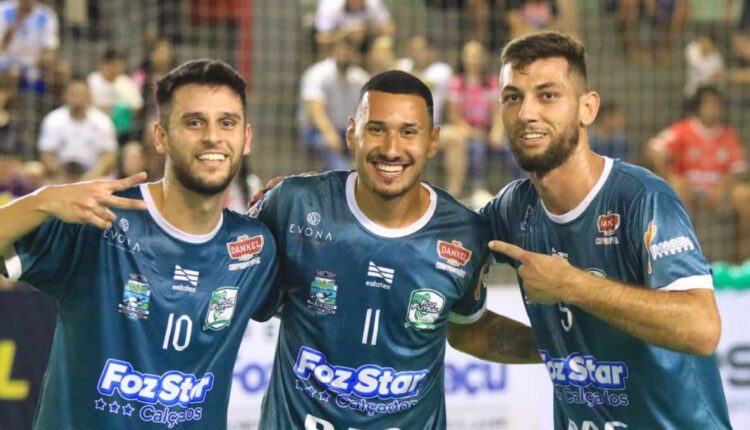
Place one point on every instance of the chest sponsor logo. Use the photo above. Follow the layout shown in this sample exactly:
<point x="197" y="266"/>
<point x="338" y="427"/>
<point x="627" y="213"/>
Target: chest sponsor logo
<point x="582" y="379"/>
<point x="370" y="388"/>
<point x="608" y="225"/>
<point x="117" y="236"/>
<point x="168" y="399"/>
<point x="221" y="308"/>
<point x="455" y="255"/>
<point x="245" y="250"/>
<point x="323" y="291"/>
<point x="136" y="298"/>
<point x="310" y="231"/>
<point x="380" y="272"/>
<point x="185" y="279"/>
<point x="424" y="309"/>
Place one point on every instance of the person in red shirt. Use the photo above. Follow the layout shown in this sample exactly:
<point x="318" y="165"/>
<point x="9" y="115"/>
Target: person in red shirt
<point x="702" y="158"/>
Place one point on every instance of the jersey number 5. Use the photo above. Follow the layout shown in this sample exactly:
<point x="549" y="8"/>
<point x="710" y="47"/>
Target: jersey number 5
<point x="175" y="330"/>
<point x="567" y="317"/>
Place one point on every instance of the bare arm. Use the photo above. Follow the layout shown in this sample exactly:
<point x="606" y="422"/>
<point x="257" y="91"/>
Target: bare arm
<point x="83" y="202"/>
<point x="319" y="117"/>
<point x="104" y="165"/>
<point x="495" y="338"/>
<point x="685" y="321"/>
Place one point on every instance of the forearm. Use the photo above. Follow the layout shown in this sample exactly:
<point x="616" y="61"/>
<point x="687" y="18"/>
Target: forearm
<point x="20" y="217"/>
<point x="685" y="321"/>
<point x="496" y="338"/>
<point x="319" y="117"/>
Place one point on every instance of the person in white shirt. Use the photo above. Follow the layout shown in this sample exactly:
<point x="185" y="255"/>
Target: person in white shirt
<point x="78" y="133"/>
<point x="357" y="20"/>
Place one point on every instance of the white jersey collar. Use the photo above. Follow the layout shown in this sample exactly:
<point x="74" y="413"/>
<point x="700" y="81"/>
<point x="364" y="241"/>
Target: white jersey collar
<point x="376" y="229"/>
<point x="578" y="210"/>
<point x="172" y="230"/>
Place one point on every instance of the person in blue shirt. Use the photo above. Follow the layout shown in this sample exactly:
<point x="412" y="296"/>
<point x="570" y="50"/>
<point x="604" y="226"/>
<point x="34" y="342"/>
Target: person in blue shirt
<point x="155" y="282"/>
<point x="378" y="269"/>
<point x="618" y="293"/>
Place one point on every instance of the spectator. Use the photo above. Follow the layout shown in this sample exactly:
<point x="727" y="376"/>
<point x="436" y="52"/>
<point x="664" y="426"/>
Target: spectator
<point x="380" y="57"/>
<point x="705" y="65"/>
<point x="607" y="136"/>
<point x="78" y="133"/>
<point x="661" y="21"/>
<point x="132" y="159"/>
<point x="474" y="117"/>
<point x="11" y="185"/>
<point x="329" y="94"/>
<point x="115" y="93"/>
<point x="357" y="20"/>
<point x="30" y="39"/>
<point x="702" y="158"/>
<point x="626" y="14"/>
<point x="422" y="61"/>
<point x="527" y="16"/>
<point x="158" y="63"/>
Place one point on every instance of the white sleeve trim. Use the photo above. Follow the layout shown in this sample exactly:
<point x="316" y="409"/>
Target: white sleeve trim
<point x="467" y="319"/>
<point x="13" y="265"/>
<point x="699" y="282"/>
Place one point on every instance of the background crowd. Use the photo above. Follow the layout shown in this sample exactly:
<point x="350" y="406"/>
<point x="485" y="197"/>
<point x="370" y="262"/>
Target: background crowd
<point x="674" y="75"/>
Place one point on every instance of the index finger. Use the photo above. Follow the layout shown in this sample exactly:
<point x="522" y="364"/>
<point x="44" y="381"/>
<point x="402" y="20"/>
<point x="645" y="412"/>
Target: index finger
<point x="515" y="252"/>
<point x="125" y="203"/>
<point x="130" y="181"/>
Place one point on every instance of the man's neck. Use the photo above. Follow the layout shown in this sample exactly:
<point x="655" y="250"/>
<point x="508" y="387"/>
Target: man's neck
<point x="186" y="210"/>
<point x="397" y="212"/>
<point x="564" y="188"/>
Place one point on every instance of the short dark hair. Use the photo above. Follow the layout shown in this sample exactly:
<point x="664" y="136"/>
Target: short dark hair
<point x="111" y="55"/>
<point x="701" y="93"/>
<point x="201" y="72"/>
<point x="523" y="51"/>
<point x="399" y="82"/>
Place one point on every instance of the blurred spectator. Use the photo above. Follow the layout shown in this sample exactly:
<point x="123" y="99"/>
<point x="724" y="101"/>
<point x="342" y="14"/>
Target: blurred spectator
<point x="660" y="23"/>
<point x="11" y="185"/>
<point x="159" y="61"/>
<point x="422" y="61"/>
<point x="705" y="65"/>
<point x="357" y="20"/>
<point x="380" y="57"/>
<point x="132" y="159"/>
<point x="30" y="39"/>
<point x="741" y="36"/>
<point x="702" y="159"/>
<point x="626" y="14"/>
<point x="34" y="175"/>
<point x="78" y="133"/>
<point x="115" y="93"/>
<point x="607" y="135"/>
<point x="474" y="118"/>
<point x="526" y="16"/>
<point x="329" y="96"/>
<point x="243" y="186"/>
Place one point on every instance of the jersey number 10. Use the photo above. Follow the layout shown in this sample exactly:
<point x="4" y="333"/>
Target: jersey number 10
<point x="175" y="332"/>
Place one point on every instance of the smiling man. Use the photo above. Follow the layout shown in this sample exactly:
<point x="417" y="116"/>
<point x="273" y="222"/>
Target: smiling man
<point x="155" y="282"/>
<point x="378" y="267"/>
<point x="615" y="285"/>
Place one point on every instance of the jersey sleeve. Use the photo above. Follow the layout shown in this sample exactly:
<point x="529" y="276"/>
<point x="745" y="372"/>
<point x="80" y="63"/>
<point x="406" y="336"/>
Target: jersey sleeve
<point x="267" y="210"/>
<point x="473" y="303"/>
<point x="671" y="258"/>
<point x="269" y="279"/>
<point x="497" y="215"/>
<point x="47" y="256"/>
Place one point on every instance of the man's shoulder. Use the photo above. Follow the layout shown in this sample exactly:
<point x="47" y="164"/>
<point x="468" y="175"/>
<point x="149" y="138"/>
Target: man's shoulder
<point x="633" y="182"/>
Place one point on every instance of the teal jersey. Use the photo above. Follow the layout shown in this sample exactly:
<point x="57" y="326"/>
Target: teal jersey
<point x="150" y="318"/>
<point x="363" y="325"/>
<point x="633" y="229"/>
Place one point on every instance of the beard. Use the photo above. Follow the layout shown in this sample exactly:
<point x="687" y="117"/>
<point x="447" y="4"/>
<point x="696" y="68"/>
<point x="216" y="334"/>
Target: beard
<point x="198" y="185"/>
<point x="554" y="156"/>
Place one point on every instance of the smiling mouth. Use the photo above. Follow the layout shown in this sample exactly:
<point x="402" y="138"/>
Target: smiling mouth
<point x="212" y="156"/>
<point x="389" y="168"/>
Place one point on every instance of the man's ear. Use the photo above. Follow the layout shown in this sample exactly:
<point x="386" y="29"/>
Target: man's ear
<point x="588" y="108"/>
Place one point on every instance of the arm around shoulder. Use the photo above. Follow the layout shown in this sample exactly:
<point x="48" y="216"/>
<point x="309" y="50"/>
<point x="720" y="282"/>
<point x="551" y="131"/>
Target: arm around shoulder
<point x="495" y="338"/>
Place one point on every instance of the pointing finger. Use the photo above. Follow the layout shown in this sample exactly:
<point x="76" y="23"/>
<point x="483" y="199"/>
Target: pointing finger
<point x="508" y="249"/>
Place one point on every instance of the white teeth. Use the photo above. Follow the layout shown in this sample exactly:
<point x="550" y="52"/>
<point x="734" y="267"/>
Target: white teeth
<point x="390" y="168"/>
<point x="532" y="135"/>
<point x="212" y="157"/>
